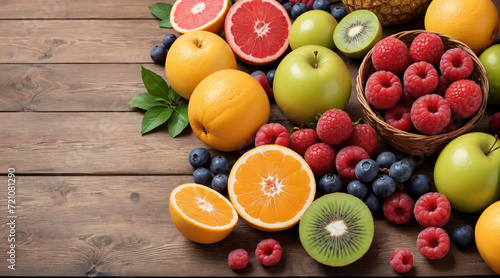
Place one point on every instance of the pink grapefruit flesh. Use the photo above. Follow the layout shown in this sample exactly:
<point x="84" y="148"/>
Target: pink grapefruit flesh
<point x="207" y="15"/>
<point x="257" y="30"/>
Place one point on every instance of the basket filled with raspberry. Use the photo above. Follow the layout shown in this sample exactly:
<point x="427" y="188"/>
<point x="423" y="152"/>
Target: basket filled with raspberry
<point x="420" y="89"/>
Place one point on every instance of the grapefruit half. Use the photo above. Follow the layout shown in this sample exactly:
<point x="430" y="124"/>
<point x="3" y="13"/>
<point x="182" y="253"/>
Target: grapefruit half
<point x="257" y="30"/>
<point x="207" y="15"/>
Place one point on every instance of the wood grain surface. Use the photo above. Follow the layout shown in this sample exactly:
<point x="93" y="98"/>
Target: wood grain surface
<point x="92" y="193"/>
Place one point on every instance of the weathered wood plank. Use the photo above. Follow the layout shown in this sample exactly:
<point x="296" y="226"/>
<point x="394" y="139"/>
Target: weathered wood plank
<point x="120" y="226"/>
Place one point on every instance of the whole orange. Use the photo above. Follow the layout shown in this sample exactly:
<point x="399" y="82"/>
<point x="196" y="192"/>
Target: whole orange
<point x="227" y="108"/>
<point x="487" y="235"/>
<point x="474" y="23"/>
<point x="193" y="56"/>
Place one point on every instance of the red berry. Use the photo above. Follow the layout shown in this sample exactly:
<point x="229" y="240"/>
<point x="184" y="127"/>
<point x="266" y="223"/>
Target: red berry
<point x="365" y="136"/>
<point x="347" y="158"/>
<point x="494" y="124"/>
<point x="302" y="139"/>
<point x="334" y="126"/>
<point x="268" y="252"/>
<point x="427" y="47"/>
<point x="406" y="99"/>
<point x="398" y="208"/>
<point x="237" y="259"/>
<point x="456" y="64"/>
<point x="383" y="89"/>
<point x="433" y="243"/>
<point x="272" y="133"/>
<point x="399" y="117"/>
<point x="401" y="260"/>
<point x="464" y="97"/>
<point x="321" y="158"/>
<point x="390" y="54"/>
<point x="432" y="210"/>
<point x="420" y="78"/>
<point x="430" y="114"/>
<point x="261" y="77"/>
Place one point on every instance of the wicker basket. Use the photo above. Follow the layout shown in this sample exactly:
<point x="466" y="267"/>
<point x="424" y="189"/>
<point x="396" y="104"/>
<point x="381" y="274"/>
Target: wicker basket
<point x="413" y="143"/>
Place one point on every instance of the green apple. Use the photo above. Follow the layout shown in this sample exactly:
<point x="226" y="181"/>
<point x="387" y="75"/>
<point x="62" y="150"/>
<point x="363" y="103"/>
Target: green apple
<point x="313" y="27"/>
<point x="309" y="81"/>
<point x="467" y="171"/>
<point x="490" y="58"/>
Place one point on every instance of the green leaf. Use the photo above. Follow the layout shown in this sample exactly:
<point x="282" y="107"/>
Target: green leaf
<point x="155" y="84"/>
<point x="165" y="23"/>
<point x="155" y="117"/>
<point x="174" y="96"/>
<point x="161" y="10"/>
<point x="179" y="120"/>
<point x="145" y="101"/>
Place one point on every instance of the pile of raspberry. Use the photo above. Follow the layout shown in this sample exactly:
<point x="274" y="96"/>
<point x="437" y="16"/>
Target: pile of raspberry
<point x="422" y="89"/>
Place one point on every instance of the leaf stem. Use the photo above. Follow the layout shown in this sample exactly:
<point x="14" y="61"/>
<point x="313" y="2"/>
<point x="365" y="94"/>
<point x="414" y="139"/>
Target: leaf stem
<point x="315" y="59"/>
<point x="494" y="143"/>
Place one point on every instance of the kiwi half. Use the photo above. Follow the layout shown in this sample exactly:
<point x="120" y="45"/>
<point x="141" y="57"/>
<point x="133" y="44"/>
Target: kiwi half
<point x="336" y="229"/>
<point x="357" y="33"/>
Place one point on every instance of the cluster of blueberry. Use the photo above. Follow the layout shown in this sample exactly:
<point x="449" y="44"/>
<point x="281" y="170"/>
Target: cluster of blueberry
<point x="209" y="171"/>
<point x="159" y="52"/>
<point x="297" y="7"/>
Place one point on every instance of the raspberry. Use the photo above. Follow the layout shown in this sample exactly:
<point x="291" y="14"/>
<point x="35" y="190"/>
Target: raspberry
<point x="272" y="133"/>
<point x="237" y="259"/>
<point x="391" y="54"/>
<point x="365" y="136"/>
<point x="442" y="86"/>
<point x="464" y="97"/>
<point x="302" y="139"/>
<point x="494" y="124"/>
<point x="321" y="158"/>
<point x="432" y="210"/>
<point x="347" y="159"/>
<point x="430" y="114"/>
<point x="268" y="252"/>
<point x="420" y="78"/>
<point x="456" y="64"/>
<point x="334" y="126"/>
<point x="406" y="99"/>
<point x="427" y="47"/>
<point x="383" y="89"/>
<point x="455" y="123"/>
<point x="399" y="117"/>
<point x="398" y="208"/>
<point x="401" y="260"/>
<point x="433" y="243"/>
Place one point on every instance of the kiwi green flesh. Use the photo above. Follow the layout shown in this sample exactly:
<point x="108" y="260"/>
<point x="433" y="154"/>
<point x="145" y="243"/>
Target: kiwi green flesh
<point x="336" y="229"/>
<point x="357" y="33"/>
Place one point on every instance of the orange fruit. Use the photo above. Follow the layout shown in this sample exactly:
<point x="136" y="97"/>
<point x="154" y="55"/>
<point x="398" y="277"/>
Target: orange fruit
<point x="487" y="235"/>
<point x="271" y="187"/>
<point x="201" y="214"/>
<point x="474" y="23"/>
<point x="227" y="108"/>
<point x="191" y="15"/>
<point x="193" y="56"/>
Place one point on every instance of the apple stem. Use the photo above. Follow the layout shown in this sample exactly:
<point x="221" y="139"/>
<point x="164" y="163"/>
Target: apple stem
<point x="494" y="143"/>
<point x="315" y="59"/>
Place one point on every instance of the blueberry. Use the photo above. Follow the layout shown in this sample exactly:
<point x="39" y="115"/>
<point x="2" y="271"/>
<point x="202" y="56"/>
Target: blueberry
<point x="330" y="183"/>
<point x="159" y="54"/>
<point x="383" y="186"/>
<point x="219" y="182"/>
<point x="270" y="77"/>
<point x="322" y="5"/>
<point x="288" y="7"/>
<point x="412" y="163"/>
<point x="219" y="165"/>
<point x="168" y="40"/>
<point x="463" y="236"/>
<point x="372" y="202"/>
<point x="400" y="171"/>
<point x="298" y="9"/>
<point x="199" y="157"/>
<point x="358" y="188"/>
<point x="339" y="13"/>
<point x="418" y="185"/>
<point x="257" y="72"/>
<point x="385" y="159"/>
<point x="202" y="176"/>
<point x="366" y="170"/>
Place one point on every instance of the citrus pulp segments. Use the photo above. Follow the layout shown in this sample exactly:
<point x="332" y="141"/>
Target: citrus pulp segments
<point x="190" y="15"/>
<point x="271" y="187"/>
<point x="257" y="30"/>
<point x="201" y="214"/>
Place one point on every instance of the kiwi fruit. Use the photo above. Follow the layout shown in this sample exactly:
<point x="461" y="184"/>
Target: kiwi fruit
<point x="357" y="33"/>
<point x="336" y="229"/>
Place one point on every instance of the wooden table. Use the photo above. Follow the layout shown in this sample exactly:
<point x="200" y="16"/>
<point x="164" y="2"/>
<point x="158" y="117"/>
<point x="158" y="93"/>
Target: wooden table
<point x="91" y="193"/>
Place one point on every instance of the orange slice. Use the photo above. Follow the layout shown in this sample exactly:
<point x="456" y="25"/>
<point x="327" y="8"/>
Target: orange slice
<point x="207" y="15"/>
<point x="201" y="214"/>
<point x="271" y="187"/>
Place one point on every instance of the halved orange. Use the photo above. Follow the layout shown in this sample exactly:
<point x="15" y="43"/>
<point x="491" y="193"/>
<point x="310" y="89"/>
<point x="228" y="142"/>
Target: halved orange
<point x="201" y="214"/>
<point x="207" y="15"/>
<point x="270" y="187"/>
